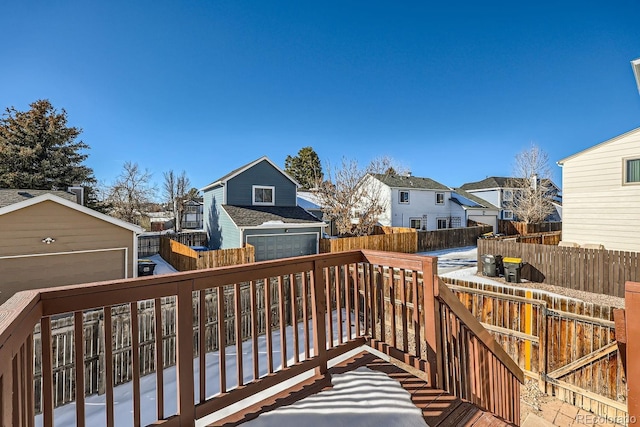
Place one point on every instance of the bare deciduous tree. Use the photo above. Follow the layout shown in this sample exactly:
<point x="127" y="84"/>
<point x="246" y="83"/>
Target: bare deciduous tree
<point x="131" y="191"/>
<point x="175" y="189"/>
<point x="532" y="187"/>
<point x="347" y="197"/>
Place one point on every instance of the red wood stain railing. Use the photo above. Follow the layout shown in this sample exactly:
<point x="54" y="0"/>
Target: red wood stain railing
<point x="326" y="305"/>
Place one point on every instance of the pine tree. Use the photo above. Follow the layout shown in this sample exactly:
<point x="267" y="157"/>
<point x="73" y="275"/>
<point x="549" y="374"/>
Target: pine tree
<point x="305" y="168"/>
<point x="39" y="151"/>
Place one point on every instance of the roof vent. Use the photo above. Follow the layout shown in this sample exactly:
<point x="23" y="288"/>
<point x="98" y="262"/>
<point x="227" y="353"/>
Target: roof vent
<point x="25" y="194"/>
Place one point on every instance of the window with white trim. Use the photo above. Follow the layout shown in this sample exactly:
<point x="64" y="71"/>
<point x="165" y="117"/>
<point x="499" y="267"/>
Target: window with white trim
<point x="507" y="215"/>
<point x="263" y="195"/>
<point x="442" y="223"/>
<point x="415" y="223"/>
<point x="439" y="198"/>
<point x="456" y="222"/>
<point x="507" y="195"/>
<point x="403" y="197"/>
<point x="632" y="171"/>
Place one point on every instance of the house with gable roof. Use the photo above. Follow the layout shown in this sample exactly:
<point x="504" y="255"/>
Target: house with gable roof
<point x="601" y="189"/>
<point x="425" y="204"/>
<point x="256" y="204"/>
<point x="48" y="239"/>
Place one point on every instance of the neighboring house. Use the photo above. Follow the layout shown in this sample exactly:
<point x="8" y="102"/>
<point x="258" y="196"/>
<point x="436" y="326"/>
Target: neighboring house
<point x="47" y="239"/>
<point x="310" y="202"/>
<point x="474" y="208"/>
<point x="601" y="194"/>
<point x="256" y="204"/>
<point x="415" y="202"/>
<point x="192" y="216"/>
<point x="160" y="221"/>
<point x="498" y="191"/>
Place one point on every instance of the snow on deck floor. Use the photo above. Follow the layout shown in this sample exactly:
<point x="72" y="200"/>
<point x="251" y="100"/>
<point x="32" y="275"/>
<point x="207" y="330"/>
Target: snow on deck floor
<point x="95" y="405"/>
<point x="359" y="398"/>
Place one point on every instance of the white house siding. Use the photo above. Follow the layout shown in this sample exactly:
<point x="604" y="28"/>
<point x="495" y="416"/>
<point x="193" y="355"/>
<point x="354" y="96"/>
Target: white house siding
<point x="421" y="202"/>
<point x="597" y="207"/>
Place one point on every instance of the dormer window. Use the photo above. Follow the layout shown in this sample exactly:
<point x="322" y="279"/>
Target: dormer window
<point x="264" y="195"/>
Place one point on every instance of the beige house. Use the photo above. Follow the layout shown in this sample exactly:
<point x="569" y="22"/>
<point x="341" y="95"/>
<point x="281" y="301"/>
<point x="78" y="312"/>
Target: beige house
<point x="50" y="240"/>
<point x="601" y="194"/>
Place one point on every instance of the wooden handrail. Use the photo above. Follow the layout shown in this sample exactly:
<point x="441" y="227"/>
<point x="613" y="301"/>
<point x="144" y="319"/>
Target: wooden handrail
<point x="478" y="330"/>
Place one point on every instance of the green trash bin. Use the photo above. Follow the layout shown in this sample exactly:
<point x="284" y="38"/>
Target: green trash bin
<point x="512" y="267"/>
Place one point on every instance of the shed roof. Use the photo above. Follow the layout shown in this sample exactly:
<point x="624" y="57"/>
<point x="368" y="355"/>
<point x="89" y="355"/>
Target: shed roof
<point x="9" y="196"/>
<point x="72" y="205"/>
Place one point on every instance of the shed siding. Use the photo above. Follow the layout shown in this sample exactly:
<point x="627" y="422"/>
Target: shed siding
<point x="239" y="188"/>
<point x="597" y="207"/>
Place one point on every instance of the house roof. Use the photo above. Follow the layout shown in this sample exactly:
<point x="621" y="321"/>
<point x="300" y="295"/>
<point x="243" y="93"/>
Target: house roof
<point x="468" y="200"/>
<point x="403" y="181"/>
<point x="494" y="182"/>
<point x="241" y="169"/>
<point x="10" y="196"/>
<point x="308" y="200"/>
<point x="256" y="216"/>
<point x="609" y="141"/>
<point x="70" y="204"/>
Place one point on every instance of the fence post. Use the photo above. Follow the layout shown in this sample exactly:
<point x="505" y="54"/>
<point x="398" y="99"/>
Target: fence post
<point x="319" y="314"/>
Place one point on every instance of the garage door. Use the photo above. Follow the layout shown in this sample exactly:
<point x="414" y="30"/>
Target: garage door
<point x="283" y="245"/>
<point x="491" y="220"/>
<point x="35" y="272"/>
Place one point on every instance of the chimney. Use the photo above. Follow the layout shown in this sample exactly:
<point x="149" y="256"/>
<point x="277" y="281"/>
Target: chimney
<point x="79" y="192"/>
<point x="408" y="174"/>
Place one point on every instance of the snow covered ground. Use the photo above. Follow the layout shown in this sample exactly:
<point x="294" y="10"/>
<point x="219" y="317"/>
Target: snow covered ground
<point x="456" y="259"/>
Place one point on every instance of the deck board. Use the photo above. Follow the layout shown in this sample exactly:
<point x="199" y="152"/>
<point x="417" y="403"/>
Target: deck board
<point x="438" y="407"/>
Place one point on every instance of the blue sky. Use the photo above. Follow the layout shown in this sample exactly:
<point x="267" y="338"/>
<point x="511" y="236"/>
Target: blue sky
<point x="451" y="90"/>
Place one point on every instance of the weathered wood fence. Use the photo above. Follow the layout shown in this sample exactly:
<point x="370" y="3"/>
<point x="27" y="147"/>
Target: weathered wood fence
<point x="392" y="242"/>
<point x="407" y="240"/>
<point x="183" y="258"/>
<point x="450" y="238"/>
<point x="511" y="228"/>
<point x="150" y="244"/>
<point x="567" y="345"/>
<point x="592" y="270"/>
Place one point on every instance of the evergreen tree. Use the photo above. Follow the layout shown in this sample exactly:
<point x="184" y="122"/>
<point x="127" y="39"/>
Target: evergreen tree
<point x="305" y="168"/>
<point x="39" y="151"/>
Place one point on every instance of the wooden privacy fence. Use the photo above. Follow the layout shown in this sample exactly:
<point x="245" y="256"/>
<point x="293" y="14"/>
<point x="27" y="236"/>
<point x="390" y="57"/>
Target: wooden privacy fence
<point x="393" y="242"/>
<point x="511" y="228"/>
<point x="150" y="244"/>
<point x="395" y="239"/>
<point x="183" y="258"/>
<point x="567" y="345"/>
<point x="592" y="270"/>
<point x="450" y="238"/>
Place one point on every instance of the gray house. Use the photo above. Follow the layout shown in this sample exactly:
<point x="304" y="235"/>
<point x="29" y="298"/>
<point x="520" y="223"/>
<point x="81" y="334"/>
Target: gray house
<point x="256" y="204"/>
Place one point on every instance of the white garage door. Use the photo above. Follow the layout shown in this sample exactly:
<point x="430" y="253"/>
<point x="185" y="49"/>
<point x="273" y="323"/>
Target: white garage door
<point x="491" y="220"/>
<point x="277" y="246"/>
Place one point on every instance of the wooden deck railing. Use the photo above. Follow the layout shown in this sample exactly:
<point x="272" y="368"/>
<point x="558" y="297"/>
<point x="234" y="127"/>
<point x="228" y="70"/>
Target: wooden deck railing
<point x="327" y="304"/>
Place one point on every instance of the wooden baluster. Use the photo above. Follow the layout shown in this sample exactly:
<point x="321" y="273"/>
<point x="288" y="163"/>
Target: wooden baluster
<point x="78" y="337"/>
<point x="135" y="362"/>
<point x="159" y="359"/>
<point x="319" y="314"/>
<point x="238" y="325"/>
<point x="282" y="304"/>
<point x="254" y="331"/>
<point x="294" y="317"/>
<point x="222" y="340"/>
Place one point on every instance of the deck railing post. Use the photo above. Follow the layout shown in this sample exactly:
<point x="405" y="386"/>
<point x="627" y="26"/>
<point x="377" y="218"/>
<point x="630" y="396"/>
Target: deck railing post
<point x="429" y="271"/>
<point x="319" y="314"/>
<point x="184" y="365"/>
<point x="632" y="318"/>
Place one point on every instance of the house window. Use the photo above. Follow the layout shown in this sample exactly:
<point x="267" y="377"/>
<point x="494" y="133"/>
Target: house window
<point x="507" y="196"/>
<point x="632" y="173"/>
<point x="191" y="209"/>
<point x="263" y="195"/>
<point x="404" y="197"/>
<point x="415" y="223"/>
<point x="439" y="198"/>
<point x="456" y="222"/>
<point x="442" y="223"/>
<point x="507" y="215"/>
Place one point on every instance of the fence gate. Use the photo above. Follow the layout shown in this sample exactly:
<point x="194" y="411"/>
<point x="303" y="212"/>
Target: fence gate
<point x="568" y="346"/>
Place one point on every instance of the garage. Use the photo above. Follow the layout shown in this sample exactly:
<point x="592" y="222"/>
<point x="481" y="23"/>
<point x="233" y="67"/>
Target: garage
<point x="273" y="246"/>
<point x="491" y="220"/>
